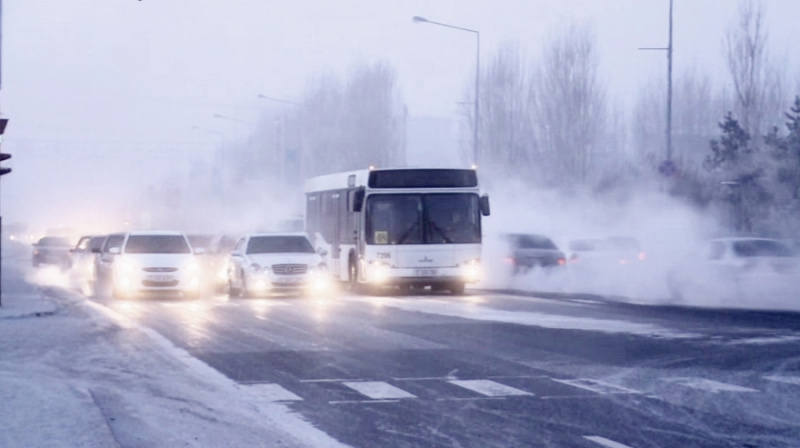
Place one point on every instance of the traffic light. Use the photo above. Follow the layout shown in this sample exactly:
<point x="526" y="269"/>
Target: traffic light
<point x="3" y="156"/>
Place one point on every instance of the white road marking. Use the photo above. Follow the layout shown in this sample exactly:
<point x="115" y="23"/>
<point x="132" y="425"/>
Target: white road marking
<point x="784" y="379"/>
<point x="708" y="385"/>
<point x="470" y="399"/>
<point x="489" y="388"/>
<point x="378" y="390"/>
<point x="786" y="339"/>
<point x="330" y="380"/>
<point x="273" y="392"/>
<point x="423" y="378"/>
<point x="361" y="401"/>
<point x="596" y="386"/>
<point x="605" y="442"/>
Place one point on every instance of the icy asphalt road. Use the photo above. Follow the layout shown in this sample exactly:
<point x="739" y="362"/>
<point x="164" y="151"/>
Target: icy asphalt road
<point x="490" y="369"/>
<point x="484" y="369"/>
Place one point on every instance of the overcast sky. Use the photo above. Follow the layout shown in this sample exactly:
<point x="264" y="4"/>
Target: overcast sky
<point x="97" y="90"/>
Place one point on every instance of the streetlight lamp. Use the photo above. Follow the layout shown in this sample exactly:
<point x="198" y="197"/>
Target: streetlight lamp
<point x="417" y="19"/>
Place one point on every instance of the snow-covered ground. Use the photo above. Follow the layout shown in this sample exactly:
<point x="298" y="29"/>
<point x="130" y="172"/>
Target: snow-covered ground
<point x="72" y="376"/>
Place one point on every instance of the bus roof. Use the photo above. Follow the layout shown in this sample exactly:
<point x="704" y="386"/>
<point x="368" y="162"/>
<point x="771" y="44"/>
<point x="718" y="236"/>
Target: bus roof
<point x="395" y="178"/>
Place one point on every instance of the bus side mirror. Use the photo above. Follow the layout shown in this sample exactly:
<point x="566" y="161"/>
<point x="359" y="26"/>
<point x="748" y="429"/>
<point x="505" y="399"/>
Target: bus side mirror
<point x="357" y="200"/>
<point x="484" y="203"/>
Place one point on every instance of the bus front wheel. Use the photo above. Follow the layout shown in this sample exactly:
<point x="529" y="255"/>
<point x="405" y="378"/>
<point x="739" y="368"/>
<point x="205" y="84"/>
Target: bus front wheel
<point x="352" y="276"/>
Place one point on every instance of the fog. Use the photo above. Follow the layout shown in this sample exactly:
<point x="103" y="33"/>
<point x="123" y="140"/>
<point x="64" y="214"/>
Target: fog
<point x="175" y="114"/>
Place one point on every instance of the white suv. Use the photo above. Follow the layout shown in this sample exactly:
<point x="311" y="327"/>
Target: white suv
<point x="160" y="262"/>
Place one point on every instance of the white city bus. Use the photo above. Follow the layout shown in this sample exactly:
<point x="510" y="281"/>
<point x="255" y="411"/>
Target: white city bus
<point x="407" y="227"/>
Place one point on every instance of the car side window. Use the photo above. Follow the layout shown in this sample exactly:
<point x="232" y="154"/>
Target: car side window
<point x="83" y="244"/>
<point x="113" y="241"/>
<point x="240" y="245"/>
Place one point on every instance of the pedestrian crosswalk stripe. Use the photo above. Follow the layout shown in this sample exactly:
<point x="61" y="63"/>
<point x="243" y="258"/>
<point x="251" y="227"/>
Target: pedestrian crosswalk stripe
<point x="273" y="392"/>
<point x="489" y="388"/>
<point x="378" y="390"/>
<point x="605" y="442"/>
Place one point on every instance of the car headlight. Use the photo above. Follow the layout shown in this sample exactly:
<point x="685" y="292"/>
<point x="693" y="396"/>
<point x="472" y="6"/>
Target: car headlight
<point x="192" y="267"/>
<point x="257" y="268"/>
<point x="126" y="266"/>
<point x="319" y="269"/>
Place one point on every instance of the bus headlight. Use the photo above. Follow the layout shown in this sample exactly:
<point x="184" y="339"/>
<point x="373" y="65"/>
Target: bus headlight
<point x="378" y="271"/>
<point x="471" y="270"/>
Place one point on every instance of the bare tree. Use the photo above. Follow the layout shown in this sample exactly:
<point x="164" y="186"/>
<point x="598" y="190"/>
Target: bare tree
<point x="696" y="110"/>
<point x="570" y="104"/>
<point x="321" y="114"/>
<point x="373" y="117"/>
<point x="352" y="124"/>
<point x="757" y="84"/>
<point x="506" y="113"/>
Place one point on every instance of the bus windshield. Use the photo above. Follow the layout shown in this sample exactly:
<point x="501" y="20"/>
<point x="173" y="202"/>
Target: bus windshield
<point x="437" y="218"/>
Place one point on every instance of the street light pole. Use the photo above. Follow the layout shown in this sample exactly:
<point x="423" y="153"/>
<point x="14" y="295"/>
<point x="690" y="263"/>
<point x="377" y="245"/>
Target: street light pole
<point x="417" y="19"/>
<point x="668" y="49"/>
<point x="281" y="145"/>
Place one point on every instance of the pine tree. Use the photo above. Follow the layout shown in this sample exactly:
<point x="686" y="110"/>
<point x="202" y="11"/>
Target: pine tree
<point x="738" y="177"/>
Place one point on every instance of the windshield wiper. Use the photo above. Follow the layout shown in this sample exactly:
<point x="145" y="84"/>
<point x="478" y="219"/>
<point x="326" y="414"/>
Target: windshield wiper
<point x="407" y="233"/>
<point x="444" y="234"/>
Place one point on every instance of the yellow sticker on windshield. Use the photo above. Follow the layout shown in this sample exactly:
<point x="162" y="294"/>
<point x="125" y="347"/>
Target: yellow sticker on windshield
<point x="381" y="237"/>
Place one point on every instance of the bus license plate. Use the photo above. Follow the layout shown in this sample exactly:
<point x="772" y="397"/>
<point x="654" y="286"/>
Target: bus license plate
<point x="425" y="272"/>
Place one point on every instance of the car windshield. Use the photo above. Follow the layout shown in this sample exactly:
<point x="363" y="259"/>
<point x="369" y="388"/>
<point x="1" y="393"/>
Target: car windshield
<point x="54" y="241"/>
<point x="761" y="248"/>
<point x="534" y="242"/>
<point x="440" y="218"/>
<point x="279" y="245"/>
<point x="157" y="244"/>
<point x="585" y="245"/>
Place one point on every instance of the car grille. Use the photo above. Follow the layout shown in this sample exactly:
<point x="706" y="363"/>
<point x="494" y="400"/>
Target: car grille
<point x="160" y="269"/>
<point x="289" y="269"/>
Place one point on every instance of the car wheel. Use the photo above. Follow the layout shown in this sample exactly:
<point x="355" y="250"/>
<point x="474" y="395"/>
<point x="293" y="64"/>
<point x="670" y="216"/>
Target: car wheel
<point x="245" y="293"/>
<point x="233" y="291"/>
<point x="457" y="288"/>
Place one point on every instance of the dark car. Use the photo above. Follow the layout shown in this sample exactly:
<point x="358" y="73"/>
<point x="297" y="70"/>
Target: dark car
<point x="104" y="261"/>
<point x="528" y="250"/>
<point x="52" y="250"/>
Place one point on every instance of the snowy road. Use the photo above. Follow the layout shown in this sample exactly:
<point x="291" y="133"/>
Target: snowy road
<point x="493" y="369"/>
